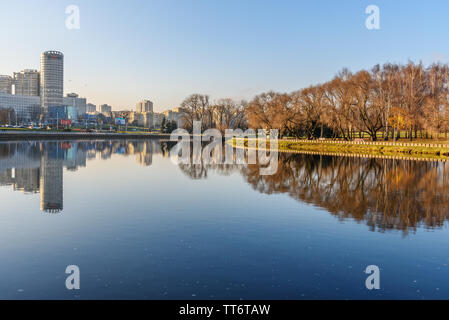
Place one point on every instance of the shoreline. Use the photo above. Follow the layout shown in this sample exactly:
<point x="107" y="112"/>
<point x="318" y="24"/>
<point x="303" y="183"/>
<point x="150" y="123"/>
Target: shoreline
<point x="384" y="150"/>
<point x="35" y="135"/>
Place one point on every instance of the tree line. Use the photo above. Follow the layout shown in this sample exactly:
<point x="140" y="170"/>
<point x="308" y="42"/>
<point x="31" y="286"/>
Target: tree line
<point x="379" y="103"/>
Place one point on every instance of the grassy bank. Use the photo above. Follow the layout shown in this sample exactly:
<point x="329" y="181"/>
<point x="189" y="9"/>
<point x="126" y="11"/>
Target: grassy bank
<point x="417" y="151"/>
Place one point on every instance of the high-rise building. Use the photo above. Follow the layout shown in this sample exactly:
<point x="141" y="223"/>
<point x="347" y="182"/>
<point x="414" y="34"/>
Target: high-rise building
<point x="5" y="84"/>
<point x="105" y="109"/>
<point x="91" y="108"/>
<point x="26" y="82"/>
<point x="144" y="106"/>
<point x="51" y="79"/>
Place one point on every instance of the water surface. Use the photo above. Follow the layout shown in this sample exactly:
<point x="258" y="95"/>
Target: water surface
<point x="141" y="227"/>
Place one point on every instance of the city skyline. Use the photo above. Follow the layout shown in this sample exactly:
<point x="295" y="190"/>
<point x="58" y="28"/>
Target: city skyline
<point x="169" y="50"/>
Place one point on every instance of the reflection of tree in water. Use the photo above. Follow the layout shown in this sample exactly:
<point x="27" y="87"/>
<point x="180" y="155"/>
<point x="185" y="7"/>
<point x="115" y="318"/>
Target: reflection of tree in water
<point x="200" y="171"/>
<point x="385" y="194"/>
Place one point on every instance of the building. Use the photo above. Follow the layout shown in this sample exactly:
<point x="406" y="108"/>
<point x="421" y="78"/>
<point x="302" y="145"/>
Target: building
<point x="26" y="108"/>
<point x="5" y="84"/>
<point x="105" y="109"/>
<point x="91" y="108"/>
<point x="179" y="114"/>
<point x="136" y="118"/>
<point x="73" y="100"/>
<point x="57" y="113"/>
<point x="51" y="79"/>
<point x="26" y="82"/>
<point x="141" y="119"/>
<point x="157" y="120"/>
<point x="169" y="115"/>
<point x="174" y="116"/>
<point x="144" y="106"/>
<point x="148" y="120"/>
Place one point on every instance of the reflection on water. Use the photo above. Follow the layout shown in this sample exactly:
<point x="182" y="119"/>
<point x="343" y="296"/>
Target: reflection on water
<point x="140" y="226"/>
<point x="383" y="193"/>
<point x="37" y="167"/>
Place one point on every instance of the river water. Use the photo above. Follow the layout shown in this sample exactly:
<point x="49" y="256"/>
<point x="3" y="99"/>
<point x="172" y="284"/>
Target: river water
<point x="139" y="226"/>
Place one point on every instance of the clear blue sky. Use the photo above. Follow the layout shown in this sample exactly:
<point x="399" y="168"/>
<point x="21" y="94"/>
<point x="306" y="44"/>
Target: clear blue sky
<point x="165" y="50"/>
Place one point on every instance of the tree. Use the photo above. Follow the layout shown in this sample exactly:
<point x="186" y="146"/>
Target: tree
<point x="436" y="98"/>
<point x="338" y="97"/>
<point x="413" y="84"/>
<point x="168" y="126"/>
<point x="270" y="110"/>
<point x="6" y="115"/>
<point x="369" y="107"/>
<point x="196" y="108"/>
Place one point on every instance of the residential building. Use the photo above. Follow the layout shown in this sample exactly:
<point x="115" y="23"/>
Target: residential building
<point x="144" y="106"/>
<point x="177" y="115"/>
<point x="105" y="109"/>
<point x="5" y="84"/>
<point x="148" y="119"/>
<point x="26" y="82"/>
<point x="157" y="120"/>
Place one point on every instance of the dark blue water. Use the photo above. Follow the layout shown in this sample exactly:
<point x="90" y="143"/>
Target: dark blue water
<point x="140" y="227"/>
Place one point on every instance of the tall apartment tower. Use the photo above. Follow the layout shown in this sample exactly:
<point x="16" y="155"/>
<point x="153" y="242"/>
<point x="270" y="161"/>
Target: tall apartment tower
<point x="26" y="82"/>
<point x="5" y="84"/>
<point x="51" y="79"/>
<point x="144" y="106"/>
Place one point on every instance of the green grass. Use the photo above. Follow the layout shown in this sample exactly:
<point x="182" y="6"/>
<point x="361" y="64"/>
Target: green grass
<point x="427" y="152"/>
<point x="391" y="150"/>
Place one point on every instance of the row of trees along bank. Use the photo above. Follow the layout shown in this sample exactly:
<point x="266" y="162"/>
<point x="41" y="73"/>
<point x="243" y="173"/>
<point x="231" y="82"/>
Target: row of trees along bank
<point x="379" y="103"/>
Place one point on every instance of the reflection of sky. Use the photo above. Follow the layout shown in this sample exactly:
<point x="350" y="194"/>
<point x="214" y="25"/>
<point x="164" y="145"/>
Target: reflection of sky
<point x="152" y="232"/>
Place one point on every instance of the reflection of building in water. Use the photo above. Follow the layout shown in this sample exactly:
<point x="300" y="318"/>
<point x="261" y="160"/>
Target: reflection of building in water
<point x="144" y="154"/>
<point x="51" y="182"/>
<point x="33" y="167"/>
<point x="19" y="166"/>
<point x="27" y="180"/>
<point x="6" y="177"/>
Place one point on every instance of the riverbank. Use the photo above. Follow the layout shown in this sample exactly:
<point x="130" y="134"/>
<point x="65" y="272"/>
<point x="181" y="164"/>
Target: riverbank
<point x="426" y="151"/>
<point x="38" y="135"/>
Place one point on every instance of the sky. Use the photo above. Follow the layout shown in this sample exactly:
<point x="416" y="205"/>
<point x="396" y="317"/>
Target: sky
<point x="165" y="50"/>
